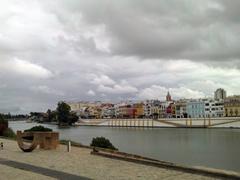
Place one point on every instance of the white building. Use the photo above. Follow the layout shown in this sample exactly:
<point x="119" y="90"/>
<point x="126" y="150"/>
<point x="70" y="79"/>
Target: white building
<point x="147" y="108"/>
<point x="214" y="108"/>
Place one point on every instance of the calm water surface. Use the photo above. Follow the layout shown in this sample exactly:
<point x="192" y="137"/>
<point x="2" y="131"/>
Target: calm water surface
<point x="216" y="148"/>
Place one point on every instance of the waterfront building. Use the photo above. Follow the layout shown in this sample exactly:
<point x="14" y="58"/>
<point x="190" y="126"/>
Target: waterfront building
<point x="156" y="111"/>
<point x="147" y="108"/>
<point x="118" y="109"/>
<point x="205" y="108"/>
<point x="126" y="111"/>
<point x="86" y="109"/>
<point x="139" y="109"/>
<point x="195" y="109"/>
<point x="152" y="108"/>
<point x="74" y="106"/>
<point x="107" y="110"/>
<point x="169" y="111"/>
<point x="220" y="94"/>
<point x="214" y="107"/>
<point x="180" y="109"/>
<point x="166" y="109"/>
<point x="93" y="112"/>
<point x="232" y="106"/>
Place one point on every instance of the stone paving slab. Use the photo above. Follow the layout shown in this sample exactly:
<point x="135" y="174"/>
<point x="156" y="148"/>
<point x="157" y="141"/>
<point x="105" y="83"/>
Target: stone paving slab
<point x="9" y="173"/>
<point x="40" y="170"/>
<point x="81" y="163"/>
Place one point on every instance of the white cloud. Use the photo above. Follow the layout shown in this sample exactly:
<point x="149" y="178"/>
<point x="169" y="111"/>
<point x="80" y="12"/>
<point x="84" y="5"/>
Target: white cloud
<point x="122" y="88"/>
<point x="101" y="80"/>
<point x="73" y="50"/>
<point x="159" y="92"/>
<point x="91" y="93"/>
<point x="24" y="67"/>
<point x="46" y="90"/>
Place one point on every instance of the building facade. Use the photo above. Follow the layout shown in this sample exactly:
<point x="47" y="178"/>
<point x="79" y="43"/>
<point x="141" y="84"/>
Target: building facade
<point x="220" y="94"/>
<point x="180" y="109"/>
<point x="195" y="109"/>
<point x="214" y="108"/>
<point x="232" y="106"/>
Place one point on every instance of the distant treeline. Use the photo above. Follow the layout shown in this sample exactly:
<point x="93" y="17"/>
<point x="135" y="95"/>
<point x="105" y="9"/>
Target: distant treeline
<point x="14" y="117"/>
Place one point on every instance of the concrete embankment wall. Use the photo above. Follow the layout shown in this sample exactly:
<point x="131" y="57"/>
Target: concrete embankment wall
<point x="170" y="122"/>
<point x="162" y="164"/>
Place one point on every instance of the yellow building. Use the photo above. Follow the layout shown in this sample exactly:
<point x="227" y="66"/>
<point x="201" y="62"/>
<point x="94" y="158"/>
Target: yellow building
<point x="86" y="109"/>
<point x="158" y="111"/>
<point x="139" y="110"/>
<point x="232" y="106"/>
<point x="94" y="112"/>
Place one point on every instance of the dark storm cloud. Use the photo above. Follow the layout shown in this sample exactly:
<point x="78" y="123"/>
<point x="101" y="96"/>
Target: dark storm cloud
<point x="169" y="29"/>
<point x="103" y="50"/>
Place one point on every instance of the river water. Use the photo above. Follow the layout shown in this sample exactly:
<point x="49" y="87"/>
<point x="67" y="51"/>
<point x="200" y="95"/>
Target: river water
<point x="215" y="148"/>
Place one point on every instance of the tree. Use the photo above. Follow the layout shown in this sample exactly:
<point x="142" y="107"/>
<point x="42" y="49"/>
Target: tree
<point x="3" y="124"/>
<point x="73" y="118"/>
<point x="64" y="114"/>
<point x="49" y="112"/>
<point x="236" y="112"/>
<point x="51" y="115"/>
<point x="231" y="112"/>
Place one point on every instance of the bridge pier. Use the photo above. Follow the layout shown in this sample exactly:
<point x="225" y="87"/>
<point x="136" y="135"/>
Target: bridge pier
<point x="209" y="122"/>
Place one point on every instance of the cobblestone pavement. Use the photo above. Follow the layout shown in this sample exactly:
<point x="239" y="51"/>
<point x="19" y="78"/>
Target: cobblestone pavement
<point x="79" y="163"/>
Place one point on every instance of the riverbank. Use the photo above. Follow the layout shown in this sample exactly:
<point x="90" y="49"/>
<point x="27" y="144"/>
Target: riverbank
<point x="186" y="146"/>
<point x="221" y="122"/>
<point x="78" y="163"/>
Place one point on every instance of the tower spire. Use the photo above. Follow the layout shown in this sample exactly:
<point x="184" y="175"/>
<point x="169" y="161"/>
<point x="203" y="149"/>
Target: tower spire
<point x="168" y="97"/>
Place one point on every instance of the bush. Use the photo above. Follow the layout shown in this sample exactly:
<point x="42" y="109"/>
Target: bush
<point x="9" y="133"/>
<point x="38" y="128"/>
<point x="3" y="125"/>
<point x="102" y="142"/>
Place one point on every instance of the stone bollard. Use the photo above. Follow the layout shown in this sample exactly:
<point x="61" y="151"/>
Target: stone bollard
<point x="69" y="146"/>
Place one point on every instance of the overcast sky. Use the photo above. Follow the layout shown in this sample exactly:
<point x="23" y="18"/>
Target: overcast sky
<point x="113" y="50"/>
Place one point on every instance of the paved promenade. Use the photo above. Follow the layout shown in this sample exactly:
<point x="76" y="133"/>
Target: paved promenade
<point x="78" y="164"/>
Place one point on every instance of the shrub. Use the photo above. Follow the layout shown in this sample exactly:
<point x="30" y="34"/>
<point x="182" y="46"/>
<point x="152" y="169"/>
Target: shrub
<point x="102" y="142"/>
<point x="38" y="128"/>
<point x="3" y="124"/>
<point x="9" y="133"/>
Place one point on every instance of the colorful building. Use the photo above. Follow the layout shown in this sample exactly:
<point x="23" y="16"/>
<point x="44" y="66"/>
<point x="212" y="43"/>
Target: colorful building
<point x="195" y="109"/>
<point x="180" y="109"/>
<point x="139" y="110"/>
<point x="232" y="106"/>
